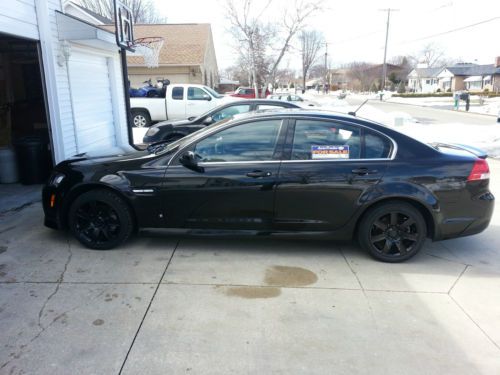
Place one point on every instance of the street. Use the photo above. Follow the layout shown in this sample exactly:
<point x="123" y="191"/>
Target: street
<point x="426" y="115"/>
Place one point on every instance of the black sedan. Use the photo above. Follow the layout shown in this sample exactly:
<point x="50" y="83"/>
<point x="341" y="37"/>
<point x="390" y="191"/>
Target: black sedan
<point x="174" y="130"/>
<point x="287" y="171"/>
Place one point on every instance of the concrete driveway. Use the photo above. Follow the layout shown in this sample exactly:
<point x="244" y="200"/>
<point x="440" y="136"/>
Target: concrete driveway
<point x="212" y="305"/>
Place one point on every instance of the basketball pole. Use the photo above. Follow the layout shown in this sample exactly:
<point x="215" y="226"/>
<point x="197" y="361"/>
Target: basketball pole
<point x="128" y="110"/>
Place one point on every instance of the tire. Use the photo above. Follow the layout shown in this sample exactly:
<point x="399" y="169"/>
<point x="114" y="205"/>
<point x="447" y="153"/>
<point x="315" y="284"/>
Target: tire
<point x="100" y="220"/>
<point x="141" y="119"/>
<point x="392" y="232"/>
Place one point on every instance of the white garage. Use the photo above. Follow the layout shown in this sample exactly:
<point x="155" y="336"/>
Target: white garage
<point x="61" y="80"/>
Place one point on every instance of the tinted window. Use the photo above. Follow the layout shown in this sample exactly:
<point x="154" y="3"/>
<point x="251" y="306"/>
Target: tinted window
<point x="376" y="146"/>
<point x="230" y="111"/>
<point x="324" y="140"/>
<point x="254" y="141"/>
<point x="178" y="93"/>
<point x="195" y="93"/>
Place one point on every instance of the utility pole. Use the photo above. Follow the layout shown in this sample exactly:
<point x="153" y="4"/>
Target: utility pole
<point x="326" y="68"/>
<point x="384" y="67"/>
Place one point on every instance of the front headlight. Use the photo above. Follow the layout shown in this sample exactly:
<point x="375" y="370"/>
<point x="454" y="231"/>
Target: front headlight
<point x="152" y="131"/>
<point x="56" y="178"/>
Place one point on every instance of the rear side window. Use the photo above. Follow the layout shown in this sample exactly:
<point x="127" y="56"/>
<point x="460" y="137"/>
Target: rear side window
<point x="178" y="93"/>
<point x="325" y="140"/>
<point x="376" y="146"/>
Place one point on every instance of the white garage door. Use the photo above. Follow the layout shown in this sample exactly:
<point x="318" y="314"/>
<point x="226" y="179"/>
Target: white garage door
<point x="92" y="102"/>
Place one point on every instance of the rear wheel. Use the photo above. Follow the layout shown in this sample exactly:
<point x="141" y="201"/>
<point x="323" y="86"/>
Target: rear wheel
<point x="141" y="119"/>
<point x="100" y="219"/>
<point x="392" y="232"/>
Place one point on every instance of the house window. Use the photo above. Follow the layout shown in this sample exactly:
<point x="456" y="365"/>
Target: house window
<point x="427" y="81"/>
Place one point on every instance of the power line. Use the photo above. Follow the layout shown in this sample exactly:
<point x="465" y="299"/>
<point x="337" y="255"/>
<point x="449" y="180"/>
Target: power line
<point x="452" y="31"/>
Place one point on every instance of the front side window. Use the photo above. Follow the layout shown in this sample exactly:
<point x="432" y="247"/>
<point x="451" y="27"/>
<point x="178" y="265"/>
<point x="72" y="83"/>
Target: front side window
<point x="178" y="93"/>
<point x="195" y="93"/>
<point x="230" y="111"/>
<point x="324" y="140"/>
<point x="255" y="141"/>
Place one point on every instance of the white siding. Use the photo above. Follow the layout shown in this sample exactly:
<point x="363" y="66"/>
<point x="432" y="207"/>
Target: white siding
<point x="92" y="102"/>
<point x="18" y="17"/>
<point x="66" y="125"/>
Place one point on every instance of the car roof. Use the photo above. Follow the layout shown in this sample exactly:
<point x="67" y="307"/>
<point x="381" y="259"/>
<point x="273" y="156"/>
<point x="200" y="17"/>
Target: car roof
<point x="279" y="103"/>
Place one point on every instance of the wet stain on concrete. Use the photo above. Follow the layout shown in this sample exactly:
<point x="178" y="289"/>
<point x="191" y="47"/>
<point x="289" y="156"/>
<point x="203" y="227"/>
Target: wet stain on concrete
<point x="289" y="276"/>
<point x="252" y="292"/>
<point x="98" y="322"/>
<point x="3" y="249"/>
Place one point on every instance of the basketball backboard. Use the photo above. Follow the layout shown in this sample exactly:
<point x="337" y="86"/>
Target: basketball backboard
<point x="124" y="26"/>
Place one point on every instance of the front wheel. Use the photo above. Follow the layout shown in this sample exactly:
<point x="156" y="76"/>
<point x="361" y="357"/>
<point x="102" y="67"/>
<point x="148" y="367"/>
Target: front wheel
<point x="141" y="119"/>
<point x="100" y="219"/>
<point x="392" y="232"/>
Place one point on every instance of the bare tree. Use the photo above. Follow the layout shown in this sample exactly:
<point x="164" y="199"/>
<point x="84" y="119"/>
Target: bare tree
<point x="363" y="75"/>
<point x="143" y="11"/>
<point x="433" y="55"/>
<point x="246" y="21"/>
<point x="310" y="44"/>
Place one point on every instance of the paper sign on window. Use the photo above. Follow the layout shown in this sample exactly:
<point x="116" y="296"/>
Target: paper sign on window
<point x="330" y="152"/>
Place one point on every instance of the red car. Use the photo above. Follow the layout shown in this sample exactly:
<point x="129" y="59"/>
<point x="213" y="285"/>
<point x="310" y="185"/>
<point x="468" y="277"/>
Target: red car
<point x="249" y="93"/>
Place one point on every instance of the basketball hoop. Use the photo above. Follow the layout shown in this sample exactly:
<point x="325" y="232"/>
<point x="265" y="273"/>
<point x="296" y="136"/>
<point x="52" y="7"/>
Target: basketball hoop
<point x="149" y="48"/>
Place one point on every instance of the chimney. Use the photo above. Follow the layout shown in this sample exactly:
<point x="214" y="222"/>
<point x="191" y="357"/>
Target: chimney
<point x="497" y="62"/>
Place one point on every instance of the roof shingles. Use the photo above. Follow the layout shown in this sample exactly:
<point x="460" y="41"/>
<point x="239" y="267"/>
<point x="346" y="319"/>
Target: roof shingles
<point x="185" y="44"/>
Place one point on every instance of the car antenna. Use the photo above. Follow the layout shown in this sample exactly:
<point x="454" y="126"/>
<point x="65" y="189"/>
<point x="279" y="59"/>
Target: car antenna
<point x="357" y="109"/>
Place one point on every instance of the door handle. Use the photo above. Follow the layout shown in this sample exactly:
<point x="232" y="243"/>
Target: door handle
<point x="363" y="171"/>
<point x="257" y="174"/>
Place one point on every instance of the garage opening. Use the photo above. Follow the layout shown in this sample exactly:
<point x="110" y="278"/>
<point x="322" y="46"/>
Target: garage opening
<point x="25" y="147"/>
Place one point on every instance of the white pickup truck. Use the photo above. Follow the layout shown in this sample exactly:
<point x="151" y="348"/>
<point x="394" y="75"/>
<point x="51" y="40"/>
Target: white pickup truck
<point x="180" y="102"/>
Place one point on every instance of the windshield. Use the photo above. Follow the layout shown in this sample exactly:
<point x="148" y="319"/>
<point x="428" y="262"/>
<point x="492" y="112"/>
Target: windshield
<point x="214" y="93"/>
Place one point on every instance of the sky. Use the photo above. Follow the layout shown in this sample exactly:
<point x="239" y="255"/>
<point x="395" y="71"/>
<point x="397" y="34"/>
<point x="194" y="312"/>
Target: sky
<point x="355" y="29"/>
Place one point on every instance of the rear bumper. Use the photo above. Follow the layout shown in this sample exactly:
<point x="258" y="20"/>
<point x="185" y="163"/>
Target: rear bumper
<point x="475" y="218"/>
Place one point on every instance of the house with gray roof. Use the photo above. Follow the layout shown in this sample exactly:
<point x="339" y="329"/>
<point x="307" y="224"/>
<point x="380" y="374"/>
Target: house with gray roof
<point x="472" y="77"/>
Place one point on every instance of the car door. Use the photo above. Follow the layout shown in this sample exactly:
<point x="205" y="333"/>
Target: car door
<point x="325" y="170"/>
<point x="198" y="101"/>
<point x="234" y="182"/>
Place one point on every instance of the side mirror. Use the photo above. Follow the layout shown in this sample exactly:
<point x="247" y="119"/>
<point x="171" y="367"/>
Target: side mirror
<point x="190" y="160"/>
<point x="208" y="121"/>
<point x="207" y="97"/>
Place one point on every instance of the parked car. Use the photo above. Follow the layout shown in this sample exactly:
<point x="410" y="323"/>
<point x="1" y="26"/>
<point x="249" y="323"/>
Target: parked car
<point x="249" y="93"/>
<point x="174" y="130"/>
<point x="287" y="171"/>
<point x="293" y="98"/>
<point x="179" y="102"/>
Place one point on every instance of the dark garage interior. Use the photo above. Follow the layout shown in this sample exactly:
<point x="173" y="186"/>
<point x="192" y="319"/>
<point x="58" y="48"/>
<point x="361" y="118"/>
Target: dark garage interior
<point x="25" y="148"/>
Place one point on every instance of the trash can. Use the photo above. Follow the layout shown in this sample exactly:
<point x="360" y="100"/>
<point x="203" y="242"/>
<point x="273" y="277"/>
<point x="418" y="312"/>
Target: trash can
<point x="33" y="159"/>
<point x="8" y="168"/>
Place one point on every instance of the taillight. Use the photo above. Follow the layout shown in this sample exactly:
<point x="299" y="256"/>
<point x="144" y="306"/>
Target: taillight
<point x="480" y="171"/>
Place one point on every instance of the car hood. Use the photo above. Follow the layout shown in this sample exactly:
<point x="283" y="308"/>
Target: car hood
<point x="106" y="160"/>
<point x="170" y="124"/>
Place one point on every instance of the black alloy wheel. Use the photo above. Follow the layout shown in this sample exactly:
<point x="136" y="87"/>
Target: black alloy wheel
<point x="392" y="232"/>
<point x="100" y="219"/>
